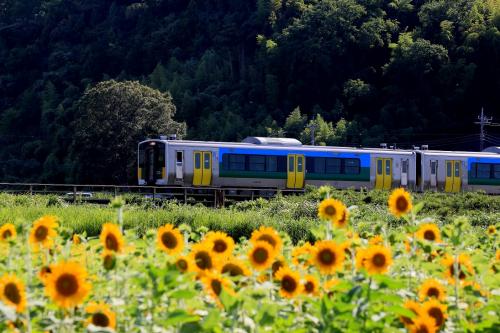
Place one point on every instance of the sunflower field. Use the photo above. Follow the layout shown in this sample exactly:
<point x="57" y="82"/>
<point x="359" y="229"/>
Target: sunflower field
<point x="418" y="275"/>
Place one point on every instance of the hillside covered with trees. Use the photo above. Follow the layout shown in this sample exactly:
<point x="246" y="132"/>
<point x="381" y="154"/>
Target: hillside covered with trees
<point x="364" y="71"/>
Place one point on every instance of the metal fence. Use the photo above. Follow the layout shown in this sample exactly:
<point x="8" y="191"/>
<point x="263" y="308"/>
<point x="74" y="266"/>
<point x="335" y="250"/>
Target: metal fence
<point x="102" y="194"/>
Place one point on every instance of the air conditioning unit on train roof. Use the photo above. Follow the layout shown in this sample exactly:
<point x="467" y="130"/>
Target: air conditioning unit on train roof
<point x="256" y="140"/>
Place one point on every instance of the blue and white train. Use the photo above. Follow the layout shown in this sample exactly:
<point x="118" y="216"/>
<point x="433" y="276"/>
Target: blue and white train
<point x="279" y="163"/>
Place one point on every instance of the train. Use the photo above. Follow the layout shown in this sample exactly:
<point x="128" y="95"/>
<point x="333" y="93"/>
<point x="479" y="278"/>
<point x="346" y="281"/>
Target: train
<point x="284" y="163"/>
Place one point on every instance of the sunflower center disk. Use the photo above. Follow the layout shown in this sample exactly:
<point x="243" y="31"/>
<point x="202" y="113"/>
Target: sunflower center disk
<point x="216" y="286"/>
<point x="437" y="315"/>
<point x="232" y="269"/>
<point x="330" y="210"/>
<point x="220" y="246"/>
<point x="379" y="260"/>
<point x="429" y="235"/>
<point x="309" y="287"/>
<point x="401" y="204"/>
<point x="111" y="242"/>
<point x="288" y="284"/>
<point x="100" y="319"/>
<point x="433" y="292"/>
<point x="327" y="257"/>
<point x="269" y="239"/>
<point x="461" y="274"/>
<point x="67" y="285"/>
<point x="169" y="240"/>
<point x="203" y="260"/>
<point x="182" y="264"/>
<point x="12" y="293"/>
<point x="260" y="255"/>
<point x="41" y="233"/>
<point x="6" y="234"/>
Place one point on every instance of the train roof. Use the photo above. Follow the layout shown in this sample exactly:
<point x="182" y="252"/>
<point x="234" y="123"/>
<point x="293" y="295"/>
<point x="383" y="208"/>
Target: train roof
<point x="281" y="143"/>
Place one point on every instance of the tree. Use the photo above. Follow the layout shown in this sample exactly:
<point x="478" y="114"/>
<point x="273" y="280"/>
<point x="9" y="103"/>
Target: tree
<point x="294" y="123"/>
<point x="115" y="116"/>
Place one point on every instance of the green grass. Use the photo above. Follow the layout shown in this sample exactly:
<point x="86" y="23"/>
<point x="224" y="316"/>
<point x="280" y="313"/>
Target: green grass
<point x="295" y="215"/>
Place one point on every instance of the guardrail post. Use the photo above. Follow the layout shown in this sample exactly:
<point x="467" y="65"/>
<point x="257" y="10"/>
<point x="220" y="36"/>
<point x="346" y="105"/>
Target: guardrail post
<point x="31" y="189"/>
<point x="116" y="191"/>
<point x="154" y="193"/>
<point x="74" y="194"/>
<point x="185" y="196"/>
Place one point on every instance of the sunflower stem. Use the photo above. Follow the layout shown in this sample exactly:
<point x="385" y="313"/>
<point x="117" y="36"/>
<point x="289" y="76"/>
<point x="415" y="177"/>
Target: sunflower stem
<point x="368" y="296"/>
<point x="457" y="281"/>
<point x="328" y="230"/>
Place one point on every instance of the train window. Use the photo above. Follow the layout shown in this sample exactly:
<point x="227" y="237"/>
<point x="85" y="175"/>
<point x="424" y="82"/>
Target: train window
<point x="272" y="163"/>
<point x="496" y="171"/>
<point x="299" y="163"/>
<point x="388" y="167"/>
<point x="291" y="163"/>
<point x="197" y="160"/>
<point x="404" y="166"/>
<point x="433" y="167"/>
<point x="333" y="165"/>
<point x="483" y="170"/>
<point x="206" y="160"/>
<point x="457" y="169"/>
<point x="179" y="157"/>
<point x="351" y="166"/>
<point x="379" y="166"/>
<point x="256" y="163"/>
<point x="448" y="169"/>
<point x="319" y="165"/>
<point x="236" y="162"/>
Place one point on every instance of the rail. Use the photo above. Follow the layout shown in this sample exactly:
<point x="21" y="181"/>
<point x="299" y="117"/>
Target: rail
<point x="102" y="194"/>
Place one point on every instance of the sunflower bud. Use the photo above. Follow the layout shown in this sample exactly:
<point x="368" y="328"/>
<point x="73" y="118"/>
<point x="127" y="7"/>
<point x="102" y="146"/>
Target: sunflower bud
<point x="109" y="261"/>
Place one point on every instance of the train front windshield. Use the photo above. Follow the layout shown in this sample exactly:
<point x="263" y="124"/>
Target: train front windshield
<point x="151" y="162"/>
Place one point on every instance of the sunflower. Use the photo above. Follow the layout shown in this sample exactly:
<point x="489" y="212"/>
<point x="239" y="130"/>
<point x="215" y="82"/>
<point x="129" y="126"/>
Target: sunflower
<point x="101" y="315"/>
<point x="329" y="284"/>
<point x="328" y="256"/>
<point x="464" y="267"/>
<point x="400" y="202"/>
<point x="413" y="307"/>
<point x="435" y="310"/>
<point x="492" y="230"/>
<point x="44" y="272"/>
<point x="431" y="288"/>
<point x="497" y="255"/>
<point x="430" y="232"/>
<point x="201" y="256"/>
<point x="7" y="232"/>
<point x="262" y="255"/>
<point x="111" y="237"/>
<point x="331" y="209"/>
<point x="184" y="264"/>
<point x="343" y="220"/>
<point x="269" y="235"/>
<point x="12" y="292"/>
<point x="423" y="324"/>
<point x="310" y="285"/>
<point x="234" y="267"/>
<point x="376" y="240"/>
<point x="76" y="239"/>
<point x="289" y="282"/>
<point x="43" y="232"/>
<point x="214" y="283"/>
<point x="67" y="285"/>
<point x="108" y="260"/>
<point x="301" y="255"/>
<point x="169" y="239"/>
<point x="377" y="259"/>
<point x="220" y="243"/>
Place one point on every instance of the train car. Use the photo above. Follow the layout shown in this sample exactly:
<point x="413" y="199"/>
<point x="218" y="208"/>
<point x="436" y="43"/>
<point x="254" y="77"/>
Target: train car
<point x="275" y="163"/>
<point x="451" y="171"/>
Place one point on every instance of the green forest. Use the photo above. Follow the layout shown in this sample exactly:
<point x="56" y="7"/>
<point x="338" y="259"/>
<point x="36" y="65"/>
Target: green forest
<point x="82" y="81"/>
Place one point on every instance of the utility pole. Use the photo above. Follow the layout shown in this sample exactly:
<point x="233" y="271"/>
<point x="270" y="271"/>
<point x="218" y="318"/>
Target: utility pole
<point x="313" y="129"/>
<point x="482" y="122"/>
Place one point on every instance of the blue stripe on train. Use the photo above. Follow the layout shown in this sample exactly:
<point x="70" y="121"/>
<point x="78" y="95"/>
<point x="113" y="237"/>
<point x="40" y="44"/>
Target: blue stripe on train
<point x="363" y="157"/>
<point x="492" y="160"/>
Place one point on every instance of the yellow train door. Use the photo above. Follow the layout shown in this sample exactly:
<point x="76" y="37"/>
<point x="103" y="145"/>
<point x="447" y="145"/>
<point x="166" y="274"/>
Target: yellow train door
<point x="290" y="179"/>
<point x="379" y="173"/>
<point x="300" y="167"/>
<point x="383" y="173"/>
<point x="206" y="177"/>
<point x="457" y="176"/>
<point x="197" y="170"/>
<point x="296" y="168"/>
<point x="388" y="173"/>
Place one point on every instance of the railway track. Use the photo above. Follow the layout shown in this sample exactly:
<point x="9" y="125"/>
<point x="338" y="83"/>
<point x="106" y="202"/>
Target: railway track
<point x="102" y="194"/>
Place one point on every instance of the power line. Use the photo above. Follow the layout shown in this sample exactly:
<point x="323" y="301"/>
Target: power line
<point x="483" y="121"/>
